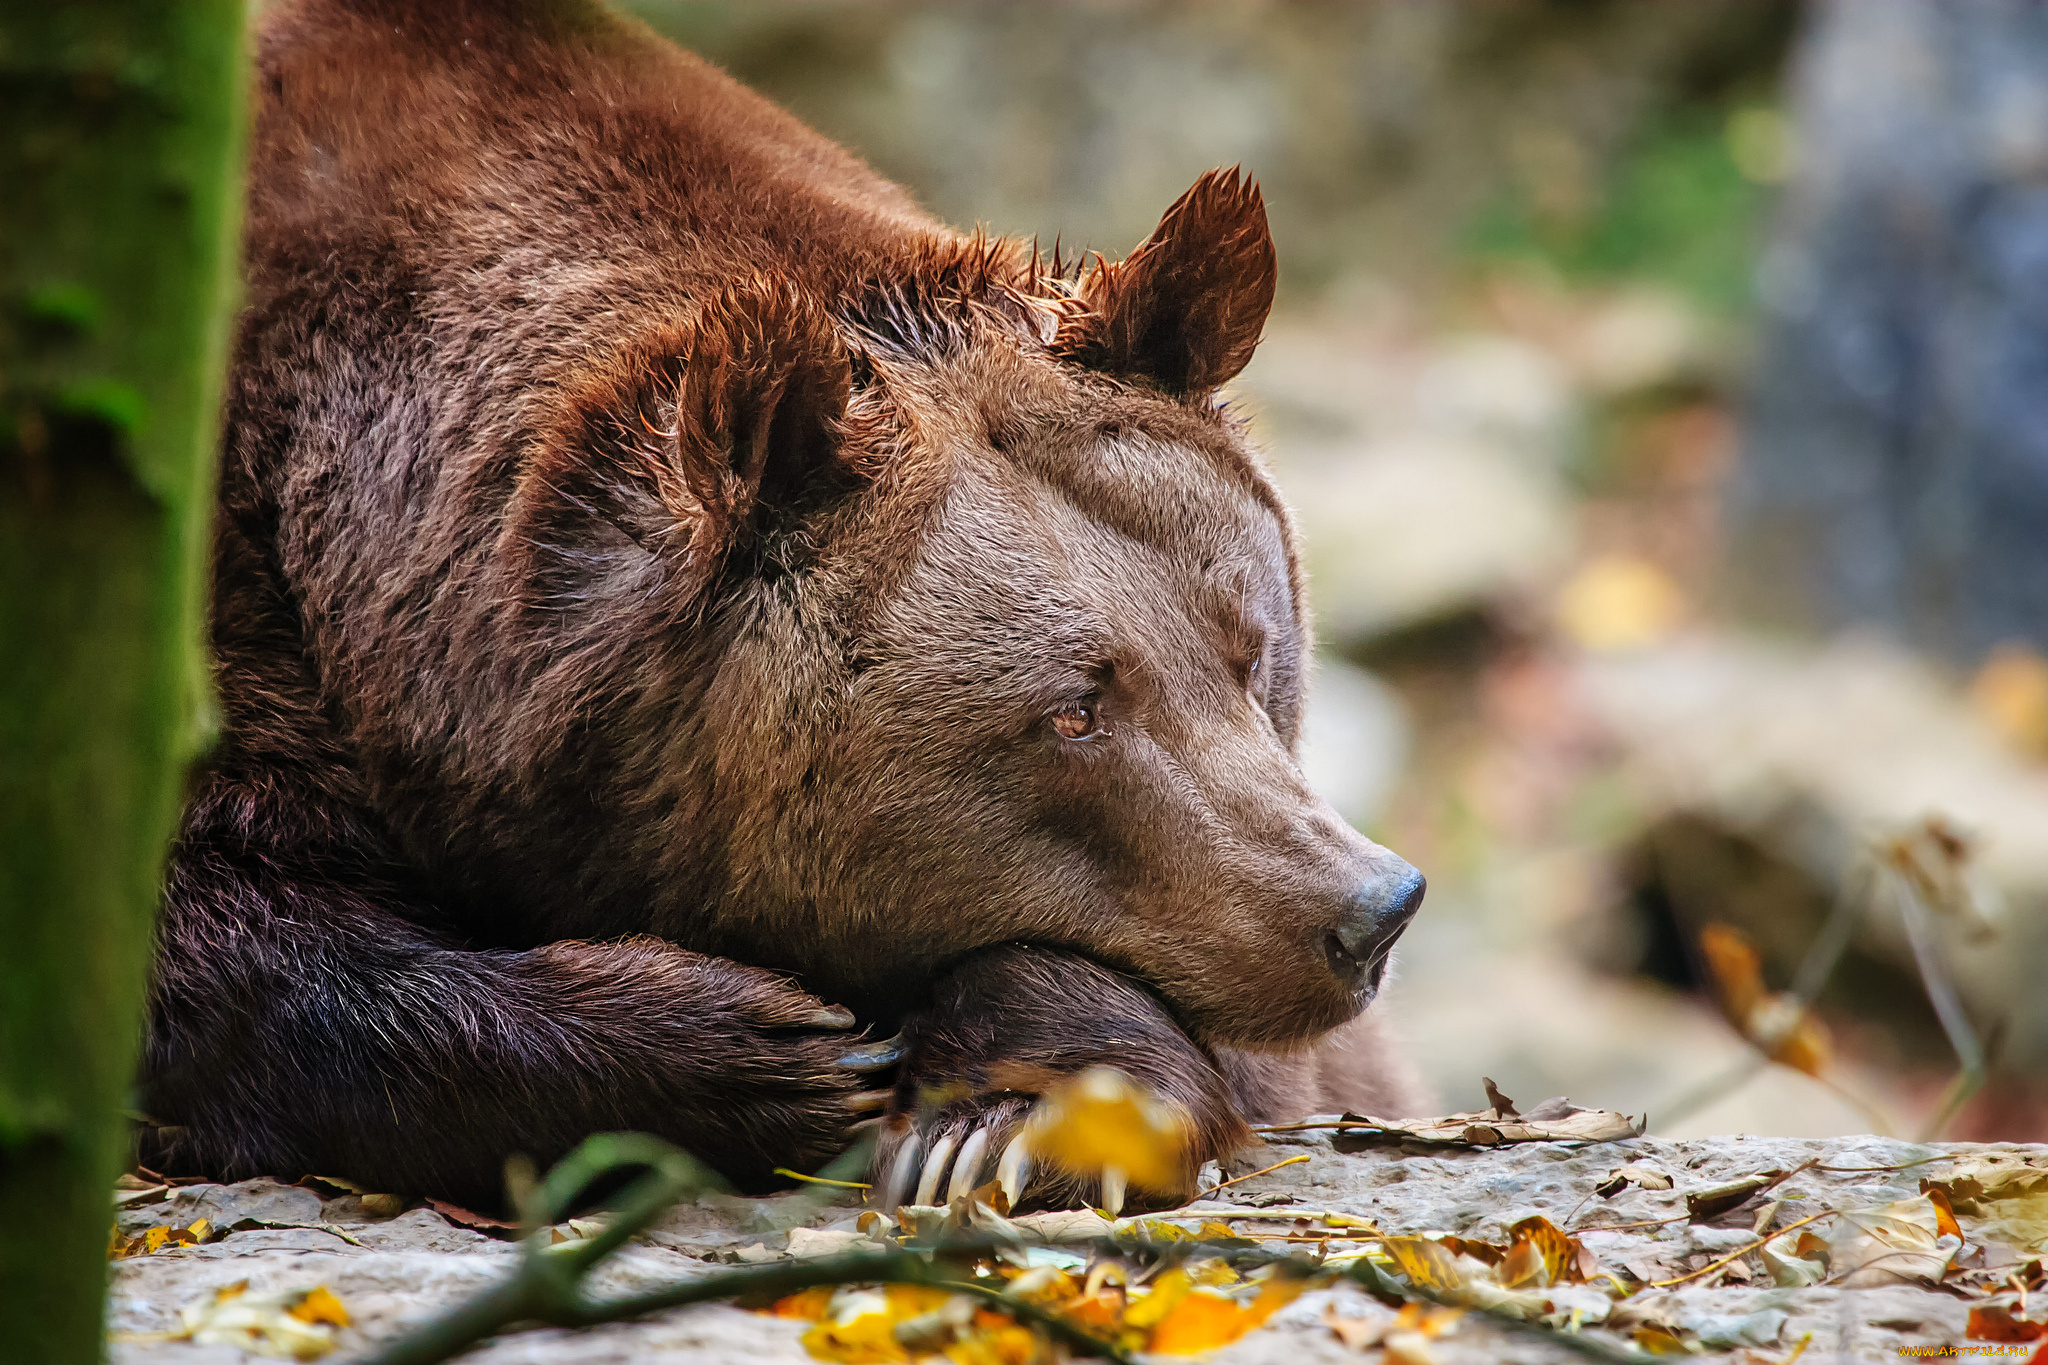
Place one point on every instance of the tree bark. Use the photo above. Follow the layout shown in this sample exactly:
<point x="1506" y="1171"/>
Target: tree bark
<point x="121" y="126"/>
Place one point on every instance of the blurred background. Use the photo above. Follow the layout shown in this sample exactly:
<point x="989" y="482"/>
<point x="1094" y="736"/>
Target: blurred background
<point x="1660" y="390"/>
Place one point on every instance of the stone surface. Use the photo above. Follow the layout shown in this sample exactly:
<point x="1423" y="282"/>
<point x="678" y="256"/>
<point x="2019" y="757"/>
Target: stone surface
<point x="407" y="1269"/>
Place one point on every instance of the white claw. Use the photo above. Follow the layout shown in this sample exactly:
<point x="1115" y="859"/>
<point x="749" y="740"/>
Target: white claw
<point x="1112" y="1191"/>
<point x="934" y="1171"/>
<point x="967" y="1165"/>
<point x="1013" y="1169"/>
<point x="897" y="1183"/>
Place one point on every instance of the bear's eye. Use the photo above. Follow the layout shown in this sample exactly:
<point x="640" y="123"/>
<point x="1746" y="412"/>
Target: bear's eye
<point x="1078" y="720"/>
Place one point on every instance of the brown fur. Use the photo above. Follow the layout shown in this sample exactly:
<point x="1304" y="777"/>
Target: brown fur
<point x="649" y="550"/>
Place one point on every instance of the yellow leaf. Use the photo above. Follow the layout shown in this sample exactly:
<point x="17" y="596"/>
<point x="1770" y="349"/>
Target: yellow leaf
<point x="1167" y="1292"/>
<point x="153" y="1241"/>
<point x="1660" y="1340"/>
<point x="808" y="1304"/>
<point x="995" y="1341"/>
<point x="1200" y="1322"/>
<point x="320" y="1305"/>
<point x="1102" y="1120"/>
<point x="1619" y="602"/>
<point x="869" y="1339"/>
<point x="1427" y="1264"/>
<point x="262" y="1324"/>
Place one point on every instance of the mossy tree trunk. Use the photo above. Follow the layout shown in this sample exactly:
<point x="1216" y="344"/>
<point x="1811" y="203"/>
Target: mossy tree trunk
<point x="120" y="155"/>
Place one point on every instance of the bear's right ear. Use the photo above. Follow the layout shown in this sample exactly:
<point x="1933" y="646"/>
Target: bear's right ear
<point x="1183" y="311"/>
<point x="762" y="385"/>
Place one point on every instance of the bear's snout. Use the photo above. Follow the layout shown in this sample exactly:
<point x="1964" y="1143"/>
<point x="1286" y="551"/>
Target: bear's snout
<point x="1372" y="919"/>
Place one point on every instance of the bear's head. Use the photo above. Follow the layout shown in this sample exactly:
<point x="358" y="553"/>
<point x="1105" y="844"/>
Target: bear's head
<point x="998" y="635"/>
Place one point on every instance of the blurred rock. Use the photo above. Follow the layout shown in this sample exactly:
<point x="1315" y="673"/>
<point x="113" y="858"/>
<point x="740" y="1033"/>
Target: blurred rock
<point x="1815" y="753"/>
<point x="388" y="1288"/>
<point x="1427" y="480"/>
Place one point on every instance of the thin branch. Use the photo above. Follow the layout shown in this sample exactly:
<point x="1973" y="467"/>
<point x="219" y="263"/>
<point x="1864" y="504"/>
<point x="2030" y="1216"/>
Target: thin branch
<point x="1383" y="1286"/>
<point x="1734" y="1256"/>
<point x="1226" y="1184"/>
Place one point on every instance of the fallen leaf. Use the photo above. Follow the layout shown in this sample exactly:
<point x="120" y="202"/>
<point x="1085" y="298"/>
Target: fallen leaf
<point x="320" y="1305"/>
<point x="1503" y="1107"/>
<point x="153" y="1240"/>
<point x="1995" y="1322"/>
<point x="1900" y="1242"/>
<point x="1555" y="1120"/>
<point x="1998" y="1200"/>
<point x="1201" y="1320"/>
<point x="1659" y="1340"/>
<point x="294" y="1324"/>
<point x="1638" y="1173"/>
<point x="1408" y="1348"/>
<point x="1795" y="1260"/>
<point x="1101" y="1120"/>
<point x="1358" y="1334"/>
<point x="1711" y="1201"/>
<point x="462" y="1217"/>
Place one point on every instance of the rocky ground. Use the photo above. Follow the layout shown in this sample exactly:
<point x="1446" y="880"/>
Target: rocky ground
<point x="395" y="1271"/>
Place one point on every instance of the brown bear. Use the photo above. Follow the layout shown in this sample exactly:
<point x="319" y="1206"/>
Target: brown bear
<point x="676" y="605"/>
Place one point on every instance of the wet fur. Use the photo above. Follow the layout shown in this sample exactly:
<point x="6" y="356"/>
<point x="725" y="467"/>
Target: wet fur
<point x="592" y="432"/>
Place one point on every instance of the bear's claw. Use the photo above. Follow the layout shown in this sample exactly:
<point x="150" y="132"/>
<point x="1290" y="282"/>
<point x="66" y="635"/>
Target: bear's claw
<point x="874" y="1056"/>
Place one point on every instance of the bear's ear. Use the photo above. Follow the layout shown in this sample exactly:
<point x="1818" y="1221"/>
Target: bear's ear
<point x="762" y="387"/>
<point x="1185" y="309"/>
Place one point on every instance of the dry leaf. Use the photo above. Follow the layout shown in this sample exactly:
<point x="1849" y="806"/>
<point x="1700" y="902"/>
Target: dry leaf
<point x="1995" y="1322"/>
<point x="1557" y="1120"/>
<point x="1900" y="1242"/>
<point x="1201" y="1320"/>
<point x="1659" y="1340"/>
<point x="152" y="1240"/>
<point x="1356" y="1333"/>
<point x="293" y="1324"/>
<point x="1711" y="1201"/>
<point x="1638" y="1173"/>
<point x="1795" y="1260"/>
<point x="1101" y="1120"/>
<point x="462" y="1217"/>
<point x="1998" y="1200"/>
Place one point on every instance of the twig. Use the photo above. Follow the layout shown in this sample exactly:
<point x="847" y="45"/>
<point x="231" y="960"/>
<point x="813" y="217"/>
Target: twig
<point x="1874" y="1170"/>
<point x="1646" y="1223"/>
<point x="821" y="1180"/>
<point x="1383" y="1286"/>
<point x="1224" y="1185"/>
<point x="1734" y="1256"/>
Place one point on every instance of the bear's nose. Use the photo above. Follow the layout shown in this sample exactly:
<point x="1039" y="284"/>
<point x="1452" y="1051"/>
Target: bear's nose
<point x="1374" y="917"/>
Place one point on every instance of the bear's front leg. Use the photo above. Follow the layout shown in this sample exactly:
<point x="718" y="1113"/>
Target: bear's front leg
<point x="1004" y="1026"/>
<point x="302" y="1021"/>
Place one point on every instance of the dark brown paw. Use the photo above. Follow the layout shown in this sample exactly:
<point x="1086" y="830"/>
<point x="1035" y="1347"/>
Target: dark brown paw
<point x="1006" y="1026"/>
